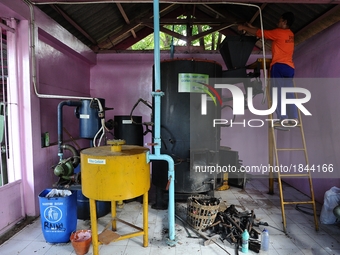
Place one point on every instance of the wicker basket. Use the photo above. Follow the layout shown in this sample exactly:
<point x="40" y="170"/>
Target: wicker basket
<point x="201" y="216"/>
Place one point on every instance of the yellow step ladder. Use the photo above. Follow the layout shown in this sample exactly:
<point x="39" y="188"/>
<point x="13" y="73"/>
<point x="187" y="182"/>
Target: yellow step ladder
<point x="296" y="171"/>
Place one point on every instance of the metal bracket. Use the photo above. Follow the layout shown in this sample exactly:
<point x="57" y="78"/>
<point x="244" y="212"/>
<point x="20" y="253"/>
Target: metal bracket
<point x="157" y="93"/>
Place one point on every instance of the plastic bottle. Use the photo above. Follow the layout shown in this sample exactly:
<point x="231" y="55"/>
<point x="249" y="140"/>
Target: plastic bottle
<point x="245" y="241"/>
<point x="265" y="240"/>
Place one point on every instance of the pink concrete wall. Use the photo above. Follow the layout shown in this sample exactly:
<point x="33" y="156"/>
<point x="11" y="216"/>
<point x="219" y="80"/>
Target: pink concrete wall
<point x="63" y="71"/>
<point x="318" y="59"/>
<point x="62" y="68"/>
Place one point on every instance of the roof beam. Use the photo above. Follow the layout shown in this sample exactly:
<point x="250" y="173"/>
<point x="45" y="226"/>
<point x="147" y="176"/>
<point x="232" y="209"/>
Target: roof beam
<point x="73" y="23"/>
<point x="257" y="13"/>
<point x="186" y="1"/>
<point x="214" y="11"/>
<point x="258" y="44"/>
<point x="212" y="30"/>
<point x="196" y="21"/>
<point x="128" y="42"/>
<point x="316" y="26"/>
<point x="120" y="7"/>
<point x="169" y="32"/>
<point x="123" y="45"/>
<point x="109" y="41"/>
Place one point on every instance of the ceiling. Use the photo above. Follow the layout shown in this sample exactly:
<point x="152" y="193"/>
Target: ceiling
<point x="114" y="26"/>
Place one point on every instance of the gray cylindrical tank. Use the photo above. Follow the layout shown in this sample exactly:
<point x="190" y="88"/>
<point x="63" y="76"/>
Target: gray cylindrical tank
<point x="187" y="135"/>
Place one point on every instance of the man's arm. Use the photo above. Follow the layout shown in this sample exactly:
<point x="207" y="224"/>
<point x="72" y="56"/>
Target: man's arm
<point x="248" y="28"/>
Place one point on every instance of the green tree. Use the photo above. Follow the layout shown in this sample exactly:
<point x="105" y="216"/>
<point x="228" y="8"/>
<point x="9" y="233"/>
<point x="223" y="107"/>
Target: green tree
<point x="209" y="41"/>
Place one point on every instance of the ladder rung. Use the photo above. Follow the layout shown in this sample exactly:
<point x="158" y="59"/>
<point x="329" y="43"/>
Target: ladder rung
<point x="294" y="175"/>
<point x="290" y="149"/>
<point x="297" y="202"/>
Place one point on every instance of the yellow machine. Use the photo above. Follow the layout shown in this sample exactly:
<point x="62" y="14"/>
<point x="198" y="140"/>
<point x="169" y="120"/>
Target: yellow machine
<point x="114" y="173"/>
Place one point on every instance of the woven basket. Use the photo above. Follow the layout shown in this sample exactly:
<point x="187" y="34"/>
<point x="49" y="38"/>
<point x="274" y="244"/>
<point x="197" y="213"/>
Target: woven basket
<point x="201" y="216"/>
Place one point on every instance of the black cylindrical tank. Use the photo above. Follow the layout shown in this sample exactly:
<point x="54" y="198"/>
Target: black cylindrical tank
<point x="129" y="130"/>
<point x="187" y="135"/>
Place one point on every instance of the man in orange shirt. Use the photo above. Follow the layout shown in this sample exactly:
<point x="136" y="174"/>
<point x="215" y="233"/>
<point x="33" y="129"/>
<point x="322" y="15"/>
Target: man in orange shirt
<point x="282" y="65"/>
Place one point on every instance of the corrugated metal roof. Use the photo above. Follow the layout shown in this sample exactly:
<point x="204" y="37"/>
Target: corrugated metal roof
<point x="105" y="26"/>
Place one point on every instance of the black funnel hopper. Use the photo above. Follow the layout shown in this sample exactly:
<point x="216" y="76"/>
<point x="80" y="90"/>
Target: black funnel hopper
<point x="236" y="49"/>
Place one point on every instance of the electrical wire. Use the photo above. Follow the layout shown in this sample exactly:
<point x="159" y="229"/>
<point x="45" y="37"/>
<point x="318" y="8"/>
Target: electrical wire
<point x="134" y="107"/>
<point x="103" y="127"/>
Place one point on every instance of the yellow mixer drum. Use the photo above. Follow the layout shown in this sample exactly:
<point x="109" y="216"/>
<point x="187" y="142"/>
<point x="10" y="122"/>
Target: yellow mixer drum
<point x="115" y="174"/>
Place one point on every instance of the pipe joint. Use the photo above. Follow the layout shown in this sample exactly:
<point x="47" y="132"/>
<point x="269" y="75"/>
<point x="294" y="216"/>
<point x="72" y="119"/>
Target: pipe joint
<point x="157" y="93"/>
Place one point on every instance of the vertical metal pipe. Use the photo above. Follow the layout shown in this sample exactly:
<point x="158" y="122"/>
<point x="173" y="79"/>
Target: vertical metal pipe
<point x="156" y="45"/>
<point x="157" y="126"/>
<point x="60" y="123"/>
<point x="157" y="73"/>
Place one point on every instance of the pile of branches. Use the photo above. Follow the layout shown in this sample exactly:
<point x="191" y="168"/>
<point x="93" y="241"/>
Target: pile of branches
<point x="231" y="223"/>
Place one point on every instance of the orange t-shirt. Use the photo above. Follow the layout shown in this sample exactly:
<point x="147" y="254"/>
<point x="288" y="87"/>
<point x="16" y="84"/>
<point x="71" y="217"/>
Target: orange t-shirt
<point x="282" y="45"/>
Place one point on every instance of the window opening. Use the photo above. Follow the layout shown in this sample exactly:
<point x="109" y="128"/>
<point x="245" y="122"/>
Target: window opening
<point x="3" y="104"/>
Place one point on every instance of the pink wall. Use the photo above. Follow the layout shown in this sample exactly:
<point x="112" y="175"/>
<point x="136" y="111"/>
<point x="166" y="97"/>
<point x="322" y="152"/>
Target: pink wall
<point x="63" y="68"/>
<point x="315" y="60"/>
<point x="63" y="71"/>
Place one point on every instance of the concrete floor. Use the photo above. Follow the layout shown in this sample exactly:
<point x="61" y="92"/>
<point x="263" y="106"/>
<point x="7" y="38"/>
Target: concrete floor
<point x="300" y="239"/>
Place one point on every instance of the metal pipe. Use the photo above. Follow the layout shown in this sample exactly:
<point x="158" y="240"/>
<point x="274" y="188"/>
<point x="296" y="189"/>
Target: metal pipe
<point x="157" y="126"/>
<point x="60" y="123"/>
<point x="33" y="60"/>
<point x="75" y="154"/>
<point x="171" y="206"/>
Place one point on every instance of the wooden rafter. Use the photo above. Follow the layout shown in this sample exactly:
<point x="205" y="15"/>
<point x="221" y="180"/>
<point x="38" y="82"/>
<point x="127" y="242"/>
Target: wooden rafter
<point x="120" y="7"/>
<point x="109" y="41"/>
<point x="257" y="13"/>
<point x="115" y="38"/>
<point x="169" y="32"/>
<point x="212" y="30"/>
<point x="219" y="14"/>
<point x="322" y="22"/>
<point x="73" y="23"/>
<point x="200" y="30"/>
<point x="196" y="21"/>
<point x="258" y="44"/>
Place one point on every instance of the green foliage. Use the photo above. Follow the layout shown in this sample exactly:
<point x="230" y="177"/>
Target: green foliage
<point x="210" y="40"/>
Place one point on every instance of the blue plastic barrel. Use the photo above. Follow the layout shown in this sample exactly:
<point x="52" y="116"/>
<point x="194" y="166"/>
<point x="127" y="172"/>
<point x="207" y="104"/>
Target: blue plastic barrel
<point x="83" y="207"/>
<point x="58" y="216"/>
